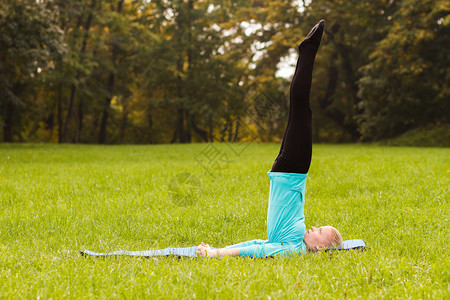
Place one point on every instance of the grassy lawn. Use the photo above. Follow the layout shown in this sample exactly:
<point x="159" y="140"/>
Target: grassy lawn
<point x="56" y="200"/>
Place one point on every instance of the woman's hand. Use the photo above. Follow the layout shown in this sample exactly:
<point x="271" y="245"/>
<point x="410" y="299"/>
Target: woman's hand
<point x="205" y="250"/>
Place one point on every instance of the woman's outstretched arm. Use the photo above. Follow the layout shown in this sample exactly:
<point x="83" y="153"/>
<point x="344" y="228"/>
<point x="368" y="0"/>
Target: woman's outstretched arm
<point x="206" y="250"/>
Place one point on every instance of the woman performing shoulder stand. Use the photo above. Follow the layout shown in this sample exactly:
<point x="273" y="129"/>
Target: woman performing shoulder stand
<point x="285" y="219"/>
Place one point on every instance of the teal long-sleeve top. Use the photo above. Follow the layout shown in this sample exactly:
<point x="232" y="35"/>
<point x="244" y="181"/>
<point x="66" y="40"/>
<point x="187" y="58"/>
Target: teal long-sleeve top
<point x="285" y="219"/>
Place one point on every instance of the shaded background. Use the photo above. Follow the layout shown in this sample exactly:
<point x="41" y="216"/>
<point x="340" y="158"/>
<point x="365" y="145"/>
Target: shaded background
<point x="181" y="71"/>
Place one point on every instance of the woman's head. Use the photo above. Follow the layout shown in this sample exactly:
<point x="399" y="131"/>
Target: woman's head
<point x="322" y="238"/>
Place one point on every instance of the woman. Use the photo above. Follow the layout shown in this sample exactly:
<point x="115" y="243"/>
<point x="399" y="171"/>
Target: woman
<point x="285" y="219"/>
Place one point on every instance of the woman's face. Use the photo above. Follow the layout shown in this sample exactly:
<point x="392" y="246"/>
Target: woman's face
<point x="317" y="238"/>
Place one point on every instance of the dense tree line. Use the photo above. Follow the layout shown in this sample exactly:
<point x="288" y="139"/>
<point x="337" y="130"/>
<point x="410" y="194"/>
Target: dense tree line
<point x="141" y="71"/>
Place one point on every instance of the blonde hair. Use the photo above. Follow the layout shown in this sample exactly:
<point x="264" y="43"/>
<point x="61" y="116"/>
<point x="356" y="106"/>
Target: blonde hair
<point x="336" y="240"/>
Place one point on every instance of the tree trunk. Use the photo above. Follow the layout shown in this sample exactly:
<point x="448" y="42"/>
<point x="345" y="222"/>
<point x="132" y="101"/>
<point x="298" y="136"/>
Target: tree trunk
<point x="105" y="114"/>
<point x="202" y="133"/>
<point x="339" y="117"/>
<point x="189" y="117"/>
<point x="73" y="90"/>
<point x="59" y="112"/>
<point x="188" y="125"/>
<point x="7" y="126"/>
<point x="174" y="136"/>
<point x="123" y="122"/>
<point x="236" y="131"/>
<point x="180" y="126"/>
<point x="79" y="122"/>
<point x="348" y="68"/>
<point x="95" y="122"/>
<point x="230" y="131"/>
<point x="110" y="87"/>
<point x="150" y="125"/>
<point x="211" y="130"/>
<point x="49" y="121"/>
<point x="70" y="111"/>
<point x="225" y="130"/>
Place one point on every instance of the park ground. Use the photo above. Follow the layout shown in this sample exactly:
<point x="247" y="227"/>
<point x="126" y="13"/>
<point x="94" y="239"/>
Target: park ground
<point x="59" y="199"/>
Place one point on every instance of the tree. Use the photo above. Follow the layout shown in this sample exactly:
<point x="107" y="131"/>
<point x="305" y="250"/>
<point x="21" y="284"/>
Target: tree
<point x="30" y="39"/>
<point x="189" y="70"/>
<point x="115" y="47"/>
<point x="79" y="63"/>
<point x="115" y="71"/>
<point x="405" y="84"/>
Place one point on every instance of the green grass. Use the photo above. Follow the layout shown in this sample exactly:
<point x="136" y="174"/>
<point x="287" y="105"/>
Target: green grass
<point x="56" y="200"/>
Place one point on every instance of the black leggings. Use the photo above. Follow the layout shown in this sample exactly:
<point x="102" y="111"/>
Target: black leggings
<point x="296" y="147"/>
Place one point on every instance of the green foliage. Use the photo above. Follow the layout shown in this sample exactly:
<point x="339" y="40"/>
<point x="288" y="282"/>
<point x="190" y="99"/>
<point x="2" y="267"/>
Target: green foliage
<point x="57" y="200"/>
<point x="96" y="71"/>
<point x="29" y="40"/>
<point x="405" y="85"/>
<point x="425" y="137"/>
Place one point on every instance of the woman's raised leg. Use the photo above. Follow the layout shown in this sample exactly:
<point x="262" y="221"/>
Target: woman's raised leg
<point x="296" y="147"/>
